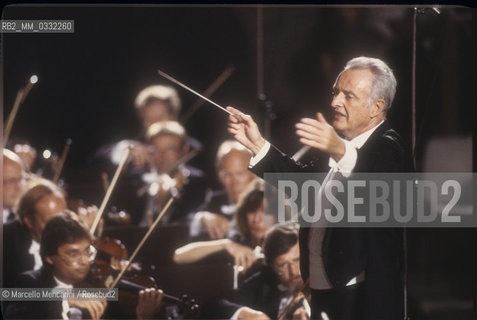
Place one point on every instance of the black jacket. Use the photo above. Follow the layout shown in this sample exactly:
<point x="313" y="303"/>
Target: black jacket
<point x="349" y="251"/>
<point x="41" y="278"/>
<point x="16" y="258"/>
<point x="258" y="292"/>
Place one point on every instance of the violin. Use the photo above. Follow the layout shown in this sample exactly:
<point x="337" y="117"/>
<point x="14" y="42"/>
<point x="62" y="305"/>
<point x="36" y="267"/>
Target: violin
<point x="111" y="262"/>
<point x="102" y="274"/>
<point x="297" y="301"/>
<point x="163" y="186"/>
<point x="168" y="185"/>
<point x="130" y="287"/>
<point x="172" y="181"/>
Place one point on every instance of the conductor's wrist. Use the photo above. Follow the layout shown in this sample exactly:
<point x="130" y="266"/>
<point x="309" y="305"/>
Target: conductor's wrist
<point x="258" y="145"/>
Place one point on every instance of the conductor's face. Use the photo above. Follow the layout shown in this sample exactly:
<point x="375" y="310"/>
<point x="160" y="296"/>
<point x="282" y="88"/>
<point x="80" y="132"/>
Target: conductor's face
<point x="353" y="113"/>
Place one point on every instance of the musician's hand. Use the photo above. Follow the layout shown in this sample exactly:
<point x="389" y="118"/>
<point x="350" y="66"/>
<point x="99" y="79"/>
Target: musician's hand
<point x="149" y="303"/>
<point x="87" y="215"/>
<point x="216" y="225"/>
<point x="317" y="133"/>
<point x="140" y="155"/>
<point x="300" y="314"/>
<point x="245" y="130"/>
<point x="95" y="307"/>
<point x="243" y="255"/>
<point x="249" y="313"/>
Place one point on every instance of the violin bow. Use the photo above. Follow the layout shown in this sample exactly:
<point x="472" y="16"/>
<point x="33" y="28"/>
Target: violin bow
<point x="61" y="163"/>
<point x="104" y="179"/>
<point x="111" y="186"/>
<point x="186" y="158"/>
<point x="140" y="245"/>
<point x="21" y="96"/>
<point x="284" y="312"/>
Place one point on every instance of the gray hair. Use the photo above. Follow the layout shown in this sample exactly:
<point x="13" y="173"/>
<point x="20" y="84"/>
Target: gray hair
<point x="384" y="84"/>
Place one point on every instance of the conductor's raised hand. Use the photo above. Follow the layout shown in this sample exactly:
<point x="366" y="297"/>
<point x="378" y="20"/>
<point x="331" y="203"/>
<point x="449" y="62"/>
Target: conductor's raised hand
<point x="318" y="133"/>
<point x="245" y="130"/>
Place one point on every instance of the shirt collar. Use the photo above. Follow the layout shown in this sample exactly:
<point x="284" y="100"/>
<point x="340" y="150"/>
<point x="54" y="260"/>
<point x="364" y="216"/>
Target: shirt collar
<point x="6" y="214"/>
<point x="34" y="247"/>
<point x="61" y="284"/>
<point x="360" y="140"/>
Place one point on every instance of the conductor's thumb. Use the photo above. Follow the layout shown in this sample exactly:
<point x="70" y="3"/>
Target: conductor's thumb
<point x="320" y="117"/>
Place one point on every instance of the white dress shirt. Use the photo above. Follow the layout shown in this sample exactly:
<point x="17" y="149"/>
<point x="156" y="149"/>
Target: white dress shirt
<point x="345" y="166"/>
<point x="35" y="252"/>
<point x="64" y="304"/>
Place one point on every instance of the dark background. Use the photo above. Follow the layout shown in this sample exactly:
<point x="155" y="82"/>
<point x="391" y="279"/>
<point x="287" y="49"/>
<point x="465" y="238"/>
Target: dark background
<point x="88" y="81"/>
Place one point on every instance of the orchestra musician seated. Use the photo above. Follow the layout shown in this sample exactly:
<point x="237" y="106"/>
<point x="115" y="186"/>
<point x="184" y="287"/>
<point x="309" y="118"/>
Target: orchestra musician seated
<point x="268" y="293"/>
<point x="144" y="193"/>
<point x="40" y="201"/>
<point x="66" y="252"/>
<point x="244" y="247"/>
<point x="214" y="218"/>
<point x="153" y="104"/>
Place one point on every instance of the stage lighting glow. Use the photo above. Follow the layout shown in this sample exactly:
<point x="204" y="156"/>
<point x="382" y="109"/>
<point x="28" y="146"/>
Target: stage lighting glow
<point x="46" y="154"/>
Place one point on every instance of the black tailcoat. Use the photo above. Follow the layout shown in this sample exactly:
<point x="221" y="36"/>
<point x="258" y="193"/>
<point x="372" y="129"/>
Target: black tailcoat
<point x="349" y="251"/>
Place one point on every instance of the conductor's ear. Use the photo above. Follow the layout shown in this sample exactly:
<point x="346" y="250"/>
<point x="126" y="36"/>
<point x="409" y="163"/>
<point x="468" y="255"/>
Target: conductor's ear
<point x="377" y="108"/>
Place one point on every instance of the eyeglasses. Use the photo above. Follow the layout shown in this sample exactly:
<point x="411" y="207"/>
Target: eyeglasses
<point x="75" y="256"/>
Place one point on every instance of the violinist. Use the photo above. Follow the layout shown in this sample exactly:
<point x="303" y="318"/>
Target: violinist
<point x="214" y="218"/>
<point x="40" y="201"/>
<point x="251" y="220"/>
<point x="252" y="225"/>
<point x="66" y="252"/>
<point x="267" y="293"/>
<point x="153" y="104"/>
<point x="143" y="193"/>
<point x="13" y="178"/>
